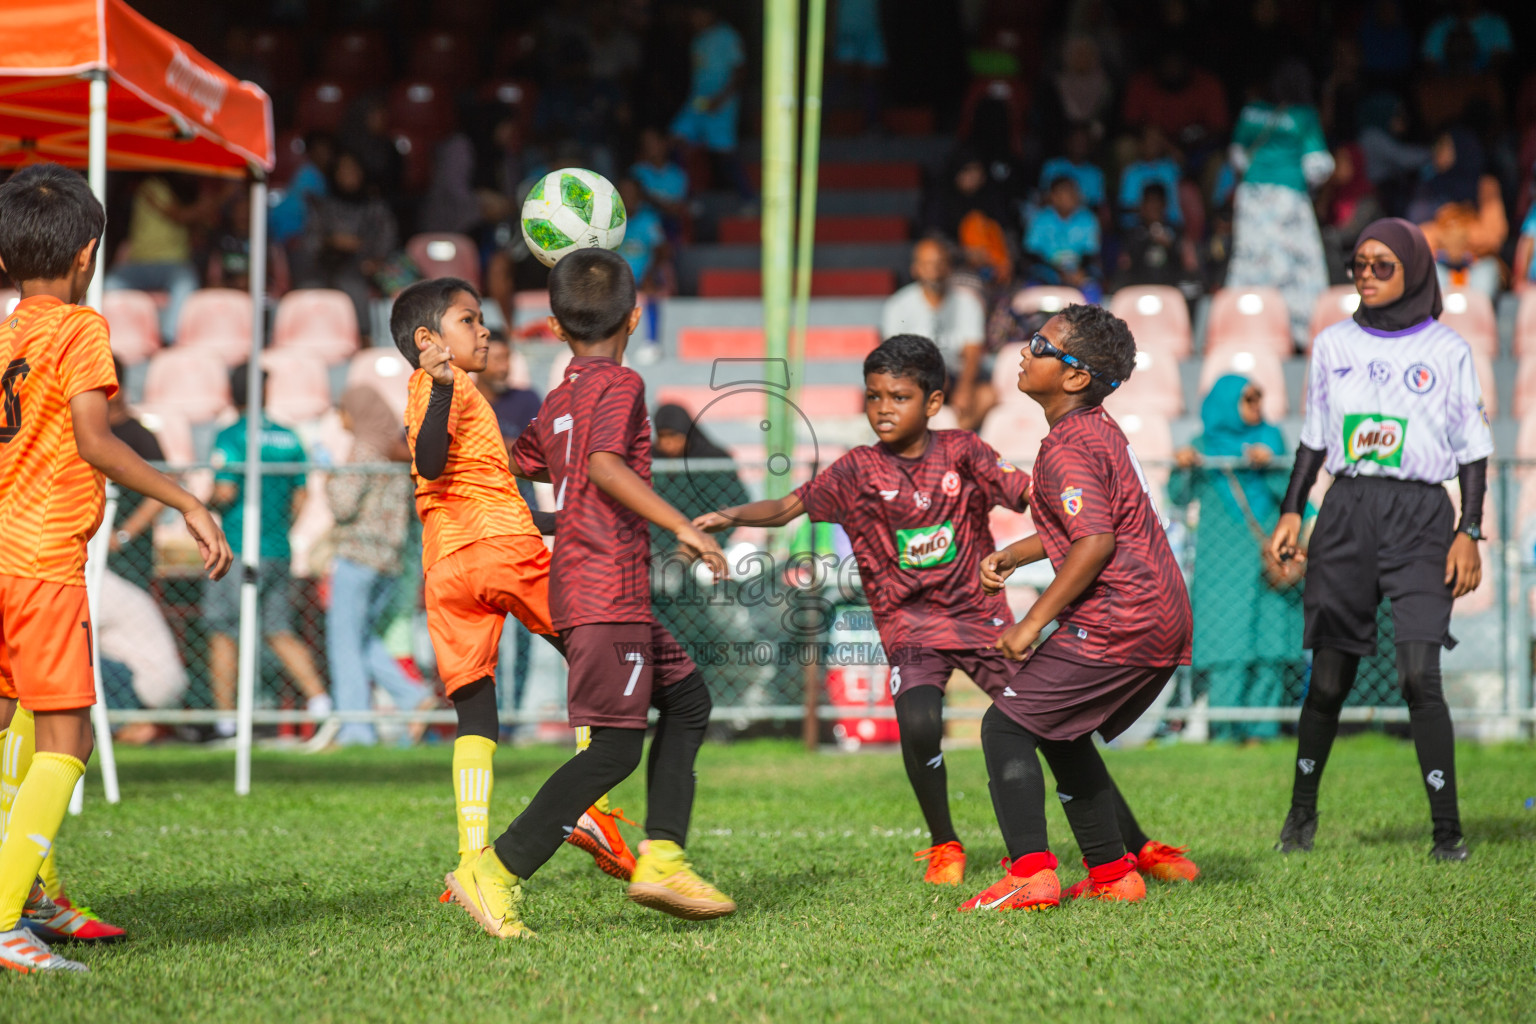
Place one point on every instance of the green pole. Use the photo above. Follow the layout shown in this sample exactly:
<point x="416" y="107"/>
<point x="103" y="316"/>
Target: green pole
<point x="781" y="30"/>
<point x="810" y="155"/>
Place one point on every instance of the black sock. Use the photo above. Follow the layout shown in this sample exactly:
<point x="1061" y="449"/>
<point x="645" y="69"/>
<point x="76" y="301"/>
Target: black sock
<point x="669" y="776"/>
<point x="475" y="704"/>
<point x="1333" y="674"/>
<point x="920" y="716"/>
<point x="1130" y="828"/>
<point x="1087" y="796"/>
<point x="1434" y="738"/>
<point x="538" y="832"/>
<point x="1016" y="783"/>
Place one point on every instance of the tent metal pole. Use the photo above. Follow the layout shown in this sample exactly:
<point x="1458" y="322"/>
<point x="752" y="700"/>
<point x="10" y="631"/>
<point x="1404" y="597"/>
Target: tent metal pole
<point x="781" y="36"/>
<point x="96" y="172"/>
<point x="250" y="628"/>
<point x="95" y="577"/>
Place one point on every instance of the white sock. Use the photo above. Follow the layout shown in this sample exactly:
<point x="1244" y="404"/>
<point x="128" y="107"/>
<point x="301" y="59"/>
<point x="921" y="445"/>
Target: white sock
<point x="225" y="727"/>
<point x="321" y="704"/>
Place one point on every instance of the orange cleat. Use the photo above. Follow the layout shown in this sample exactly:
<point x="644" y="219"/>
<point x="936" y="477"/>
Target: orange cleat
<point x="1117" y="880"/>
<point x="1166" y="863"/>
<point x="946" y="863"/>
<point x="598" y="834"/>
<point x="1030" y="884"/>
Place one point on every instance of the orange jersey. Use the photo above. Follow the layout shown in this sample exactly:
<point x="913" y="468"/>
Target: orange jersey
<point x="50" y="498"/>
<point x="476" y="495"/>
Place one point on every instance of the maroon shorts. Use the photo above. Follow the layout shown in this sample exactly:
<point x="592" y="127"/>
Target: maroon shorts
<point x="925" y="666"/>
<point x="1059" y="698"/>
<point x="614" y="666"/>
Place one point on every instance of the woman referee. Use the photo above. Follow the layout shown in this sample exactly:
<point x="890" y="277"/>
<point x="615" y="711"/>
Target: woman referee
<point x="1393" y="411"/>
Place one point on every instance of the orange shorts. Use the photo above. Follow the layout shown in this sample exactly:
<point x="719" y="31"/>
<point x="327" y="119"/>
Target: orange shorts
<point x="472" y="591"/>
<point x="45" y="645"/>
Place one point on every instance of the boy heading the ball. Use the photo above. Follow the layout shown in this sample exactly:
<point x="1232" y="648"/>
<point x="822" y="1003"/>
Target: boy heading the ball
<point x="482" y="549"/>
<point x="592" y="442"/>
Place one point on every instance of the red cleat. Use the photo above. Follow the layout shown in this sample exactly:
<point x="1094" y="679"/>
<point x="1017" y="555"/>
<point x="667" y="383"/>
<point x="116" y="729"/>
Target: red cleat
<point x="61" y="921"/>
<point x="1166" y="863"/>
<point x="946" y="863"/>
<point x="1030" y="884"/>
<point x="1114" y="881"/>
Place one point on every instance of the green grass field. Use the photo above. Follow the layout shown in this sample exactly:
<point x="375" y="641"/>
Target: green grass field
<point x="316" y="899"/>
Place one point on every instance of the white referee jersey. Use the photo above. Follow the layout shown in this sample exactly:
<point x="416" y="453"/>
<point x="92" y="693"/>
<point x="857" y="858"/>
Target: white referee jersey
<point x="1405" y="406"/>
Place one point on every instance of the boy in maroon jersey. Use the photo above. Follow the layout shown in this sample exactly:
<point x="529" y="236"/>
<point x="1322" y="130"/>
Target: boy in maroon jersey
<point x="915" y="508"/>
<point x="1120" y="606"/>
<point x="592" y="442"/>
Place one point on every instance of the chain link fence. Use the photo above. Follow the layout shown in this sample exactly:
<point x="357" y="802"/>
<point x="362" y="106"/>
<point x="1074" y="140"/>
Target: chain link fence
<point x="790" y="623"/>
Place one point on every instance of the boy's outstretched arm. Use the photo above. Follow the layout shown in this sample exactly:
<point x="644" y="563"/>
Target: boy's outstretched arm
<point x="999" y="565"/>
<point x="608" y="471"/>
<point x="122" y="465"/>
<point x="1085" y="559"/>
<point x="769" y="512"/>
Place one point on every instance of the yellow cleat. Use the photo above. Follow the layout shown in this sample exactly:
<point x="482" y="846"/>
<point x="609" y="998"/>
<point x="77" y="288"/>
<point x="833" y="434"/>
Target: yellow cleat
<point x="491" y="894"/>
<point x="665" y="881"/>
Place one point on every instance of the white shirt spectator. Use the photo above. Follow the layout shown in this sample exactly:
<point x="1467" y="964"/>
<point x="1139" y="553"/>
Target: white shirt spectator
<point x="958" y="320"/>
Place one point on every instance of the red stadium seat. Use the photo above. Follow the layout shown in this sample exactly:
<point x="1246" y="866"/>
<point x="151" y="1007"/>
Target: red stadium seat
<point x="511" y="97"/>
<point x="829" y="230"/>
<point x="415" y="150"/>
<point x="1250" y="317"/>
<point x="446" y="255"/>
<point x="1158" y="318"/>
<point x="443" y="55"/>
<point x="706" y="343"/>
<point x="321" y="321"/>
<point x="730" y="283"/>
<point x="1016" y="430"/>
<point x="289" y="148"/>
<point x="1470" y="314"/>
<point x="1335" y="304"/>
<point x="298" y="388"/>
<point x="321" y="106"/>
<point x="421" y="108"/>
<point x="1008" y="526"/>
<point x="193" y="382"/>
<point x="1155" y="388"/>
<point x="358" y="57"/>
<point x="1259" y="364"/>
<point x="384" y="369"/>
<point x="1525" y="324"/>
<point x="172" y="429"/>
<point x="134" y="321"/>
<point x="274" y="49"/>
<point x="217" y="320"/>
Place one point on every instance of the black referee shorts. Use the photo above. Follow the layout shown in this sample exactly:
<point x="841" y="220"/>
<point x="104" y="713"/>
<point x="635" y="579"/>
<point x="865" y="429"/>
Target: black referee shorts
<point x="1377" y="537"/>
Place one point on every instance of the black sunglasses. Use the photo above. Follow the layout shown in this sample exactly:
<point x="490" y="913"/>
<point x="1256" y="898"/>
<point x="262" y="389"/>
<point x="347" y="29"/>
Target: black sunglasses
<point x="1039" y="345"/>
<point x="1382" y="270"/>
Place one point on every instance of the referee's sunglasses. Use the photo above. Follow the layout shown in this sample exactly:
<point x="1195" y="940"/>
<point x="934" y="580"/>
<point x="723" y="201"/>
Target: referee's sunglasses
<point x="1382" y="270"/>
<point x="1040" y="346"/>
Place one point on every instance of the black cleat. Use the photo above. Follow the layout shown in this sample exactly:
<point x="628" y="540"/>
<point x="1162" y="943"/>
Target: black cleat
<point x="1297" y="832"/>
<point x="1452" y="849"/>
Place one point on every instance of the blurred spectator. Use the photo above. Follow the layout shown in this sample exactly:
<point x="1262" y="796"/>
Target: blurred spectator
<point x="1247" y="633"/>
<point x="645" y="243"/>
<point x="1154" y="251"/>
<point x="1063" y="242"/>
<point x="1489" y="32"/>
<point x="954" y="316"/>
<point x="662" y="180"/>
<point x="282" y="495"/>
<point x="159" y="245"/>
<point x="1461" y="209"/>
<point x="229" y="258"/>
<point x="709" y="115"/>
<point x="1097" y="21"/>
<point x="575" y="106"/>
<point x="1153" y="164"/>
<point x="1081" y="91"/>
<point x="1278" y="146"/>
<point x="858" y="52"/>
<point x="1339" y="101"/>
<point x="365" y="134"/>
<point x="1345" y="204"/>
<point x="451" y="204"/>
<point x="1183" y="102"/>
<point x="133" y="540"/>
<point x="290" y="215"/>
<point x="372" y="513"/>
<point x="615" y="49"/>
<point x="1457" y="91"/>
<point x="1391" y="165"/>
<point x="992" y="124"/>
<point x="964" y="188"/>
<point x="1075" y="164"/>
<point x="1524" y="272"/>
<point x="349" y="236"/>
<point x="1386" y="44"/>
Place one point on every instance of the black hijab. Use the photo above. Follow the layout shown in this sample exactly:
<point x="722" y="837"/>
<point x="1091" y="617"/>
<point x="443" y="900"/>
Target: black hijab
<point x="676" y="419"/>
<point x="1420" y="300"/>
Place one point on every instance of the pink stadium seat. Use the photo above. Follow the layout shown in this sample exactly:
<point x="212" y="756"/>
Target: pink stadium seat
<point x="322" y="321"/>
<point x="707" y="343"/>
<point x="217" y="320"/>
<point x="298" y="387"/>
<point x="191" y="381"/>
<point x="445" y="255"/>
<point x="1337" y="303"/>
<point x="1016" y="431"/>
<point x="1525" y="324"/>
<point x="1045" y="298"/>
<point x="1152" y="441"/>
<point x="1008" y="526"/>
<point x="1470" y="314"/>
<point x="8" y="299"/>
<point x="1258" y="363"/>
<point x="1005" y="374"/>
<point x="1158" y="318"/>
<point x="1154" y="389"/>
<point x="1251" y="317"/>
<point x="1525" y="391"/>
<point x="172" y="429"/>
<point x="1487" y="383"/>
<point x="817" y="401"/>
<point x="385" y="369"/>
<point x="321" y="105"/>
<point x="134" y="321"/>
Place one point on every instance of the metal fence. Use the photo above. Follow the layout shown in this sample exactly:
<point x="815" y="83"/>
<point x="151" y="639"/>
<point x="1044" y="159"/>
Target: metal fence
<point x="790" y="623"/>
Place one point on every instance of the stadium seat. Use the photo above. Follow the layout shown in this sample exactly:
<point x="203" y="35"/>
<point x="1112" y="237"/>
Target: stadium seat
<point x="8" y="299"/>
<point x="289" y="150"/>
<point x="1250" y="317"/>
<point x="446" y="255"/>
<point x="1337" y="303"/>
<point x="357" y="57"/>
<point x="1487" y="383"/>
<point x="705" y="343"/>
<point x="1258" y="363"/>
<point x="1470" y="314"/>
<point x="829" y="229"/>
<point x="1045" y="299"/>
<point x="511" y="97"/>
<point x="741" y="283"/>
<point x="530" y="316"/>
<point x="384" y="369"/>
<point x="1152" y="440"/>
<point x="421" y="108"/>
<point x="1482" y="599"/>
<point x="1155" y="388"/>
<point x="322" y="321"/>
<point x="172" y="429"/>
<point x="321" y="106"/>
<point x="415" y="149"/>
<point x="816" y="401"/>
<point x="217" y="320"/>
<point x="1016" y="430"/>
<point x="134" y="321"/>
<point x="192" y="381"/>
<point x="445" y="56"/>
<point x="298" y="388"/>
<point x="273" y="49"/>
<point x="1158" y="317"/>
<point x="1008" y="526"/>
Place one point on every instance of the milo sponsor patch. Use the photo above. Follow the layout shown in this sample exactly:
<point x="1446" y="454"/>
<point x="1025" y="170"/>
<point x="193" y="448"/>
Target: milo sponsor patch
<point x="924" y="547"/>
<point x="1372" y="437"/>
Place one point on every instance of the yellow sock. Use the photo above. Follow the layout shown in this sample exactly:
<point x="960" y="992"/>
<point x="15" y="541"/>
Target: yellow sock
<point x="472" y="784"/>
<point x="583" y="741"/>
<point x="15" y="759"/>
<point x="35" y="819"/>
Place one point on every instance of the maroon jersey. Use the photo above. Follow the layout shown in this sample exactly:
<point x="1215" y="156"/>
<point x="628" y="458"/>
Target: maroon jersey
<point x="1087" y="482"/>
<point x="601" y="566"/>
<point x="919" y="531"/>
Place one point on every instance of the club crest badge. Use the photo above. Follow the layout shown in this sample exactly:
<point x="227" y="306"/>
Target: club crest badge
<point x="1419" y="378"/>
<point x="921" y="500"/>
<point x="1006" y="466"/>
<point x="950" y="485"/>
<point x="1072" y="500"/>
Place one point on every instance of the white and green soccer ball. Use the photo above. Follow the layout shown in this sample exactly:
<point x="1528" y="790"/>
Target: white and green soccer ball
<point x="569" y="209"/>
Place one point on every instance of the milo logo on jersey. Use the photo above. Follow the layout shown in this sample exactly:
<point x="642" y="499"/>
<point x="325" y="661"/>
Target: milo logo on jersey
<point x="1372" y="437"/>
<point x="926" y="546"/>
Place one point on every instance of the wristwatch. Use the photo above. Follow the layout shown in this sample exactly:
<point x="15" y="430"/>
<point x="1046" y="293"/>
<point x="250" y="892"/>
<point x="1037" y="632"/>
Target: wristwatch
<point x="1473" y="530"/>
<point x="123" y="538"/>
